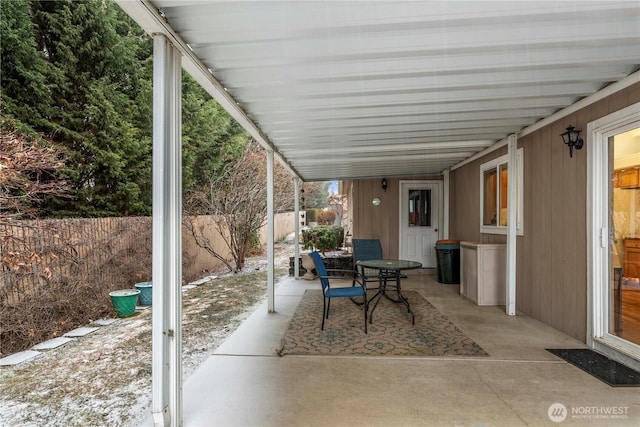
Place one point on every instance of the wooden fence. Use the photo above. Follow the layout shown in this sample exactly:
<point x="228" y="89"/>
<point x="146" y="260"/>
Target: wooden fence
<point x="113" y="251"/>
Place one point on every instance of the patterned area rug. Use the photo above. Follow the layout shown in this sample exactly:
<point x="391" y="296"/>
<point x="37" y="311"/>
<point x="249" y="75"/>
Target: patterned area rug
<point x="390" y="334"/>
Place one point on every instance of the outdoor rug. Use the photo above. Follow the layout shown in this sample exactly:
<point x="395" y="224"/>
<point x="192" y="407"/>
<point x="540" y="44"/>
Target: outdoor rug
<point x="390" y="334"/>
<point x="600" y="366"/>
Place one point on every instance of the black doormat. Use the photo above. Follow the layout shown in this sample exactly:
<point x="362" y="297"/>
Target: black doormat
<point x="600" y="366"/>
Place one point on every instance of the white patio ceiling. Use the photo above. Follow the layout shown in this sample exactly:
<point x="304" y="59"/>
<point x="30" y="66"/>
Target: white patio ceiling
<point x="357" y="89"/>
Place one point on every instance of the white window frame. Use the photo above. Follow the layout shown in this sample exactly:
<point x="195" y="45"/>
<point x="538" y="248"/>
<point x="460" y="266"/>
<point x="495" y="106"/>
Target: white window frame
<point x="494" y="164"/>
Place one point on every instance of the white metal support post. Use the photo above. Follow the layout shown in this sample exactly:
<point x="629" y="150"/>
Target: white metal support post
<point x="512" y="204"/>
<point x="445" y="202"/>
<point x="296" y="229"/>
<point x="270" y="233"/>
<point x="167" y="235"/>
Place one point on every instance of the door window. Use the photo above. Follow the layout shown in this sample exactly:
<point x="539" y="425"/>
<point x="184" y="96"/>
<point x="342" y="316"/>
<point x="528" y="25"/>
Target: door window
<point x="419" y="208"/>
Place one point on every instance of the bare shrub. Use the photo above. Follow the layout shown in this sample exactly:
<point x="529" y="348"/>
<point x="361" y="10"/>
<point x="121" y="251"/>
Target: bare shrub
<point x="237" y="201"/>
<point x="28" y="172"/>
<point x="57" y="274"/>
<point x="326" y="217"/>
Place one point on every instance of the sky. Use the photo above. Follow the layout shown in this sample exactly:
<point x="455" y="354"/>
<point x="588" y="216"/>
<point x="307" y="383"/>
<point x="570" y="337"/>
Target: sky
<point x="333" y="187"/>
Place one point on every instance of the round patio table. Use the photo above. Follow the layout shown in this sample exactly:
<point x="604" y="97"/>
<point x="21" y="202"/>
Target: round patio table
<point x="395" y="267"/>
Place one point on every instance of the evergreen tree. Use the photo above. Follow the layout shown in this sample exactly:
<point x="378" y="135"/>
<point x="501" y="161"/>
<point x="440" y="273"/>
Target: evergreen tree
<point x="94" y="51"/>
<point x="23" y="86"/>
<point x="211" y="138"/>
<point x="80" y="73"/>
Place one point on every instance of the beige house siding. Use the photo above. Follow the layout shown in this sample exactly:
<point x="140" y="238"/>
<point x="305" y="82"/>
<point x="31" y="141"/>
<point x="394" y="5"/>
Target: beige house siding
<point x="464" y="203"/>
<point x="381" y="222"/>
<point x="551" y="256"/>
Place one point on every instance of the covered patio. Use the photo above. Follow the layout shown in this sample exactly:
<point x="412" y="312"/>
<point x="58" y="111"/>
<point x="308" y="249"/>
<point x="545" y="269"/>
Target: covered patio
<point x="433" y="94"/>
<point x="245" y="383"/>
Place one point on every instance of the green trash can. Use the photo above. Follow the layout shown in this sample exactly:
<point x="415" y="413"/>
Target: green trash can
<point x="448" y="259"/>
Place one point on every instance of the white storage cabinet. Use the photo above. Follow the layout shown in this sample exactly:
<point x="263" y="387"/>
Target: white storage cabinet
<point x="483" y="269"/>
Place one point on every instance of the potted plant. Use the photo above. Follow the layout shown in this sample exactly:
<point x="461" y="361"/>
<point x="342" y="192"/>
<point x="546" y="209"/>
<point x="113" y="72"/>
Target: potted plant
<point x="322" y="239"/>
<point x="146" y="292"/>
<point x="124" y="301"/>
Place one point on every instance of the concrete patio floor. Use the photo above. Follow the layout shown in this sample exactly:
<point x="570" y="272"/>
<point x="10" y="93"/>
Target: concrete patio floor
<point x="245" y="383"/>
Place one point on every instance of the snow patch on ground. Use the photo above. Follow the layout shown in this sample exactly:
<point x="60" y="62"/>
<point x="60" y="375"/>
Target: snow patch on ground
<point x="104" y="378"/>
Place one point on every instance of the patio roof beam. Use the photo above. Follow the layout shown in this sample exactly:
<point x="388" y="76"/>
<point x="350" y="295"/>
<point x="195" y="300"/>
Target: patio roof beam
<point x="419" y="98"/>
<point x="417" y="79"/>
<point x="524" y="56"/>
<point x="378" y="148"/>
<point x="419" y="137"/>
<point x="419" y="109"/>
<point x="411" y="157"/>
<point x="412" y="118"/>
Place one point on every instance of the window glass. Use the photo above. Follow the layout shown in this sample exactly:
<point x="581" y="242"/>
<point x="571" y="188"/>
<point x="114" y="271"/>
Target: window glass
<point x="420" y="208"/>
<point x="494" y="198"/>
<point x="490" y="200"/>
<point x="624" y="212"/>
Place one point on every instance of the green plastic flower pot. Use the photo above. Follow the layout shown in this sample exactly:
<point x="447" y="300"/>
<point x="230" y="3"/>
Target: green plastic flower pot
<point x="124" y="301"/>
<point x="146" y="292"/>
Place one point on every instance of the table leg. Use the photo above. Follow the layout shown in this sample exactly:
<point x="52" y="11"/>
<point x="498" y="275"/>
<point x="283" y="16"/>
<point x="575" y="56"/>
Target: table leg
<point x="404" y="300"/>
<point x="382" y="290"/>
<point x="377" y="296"/>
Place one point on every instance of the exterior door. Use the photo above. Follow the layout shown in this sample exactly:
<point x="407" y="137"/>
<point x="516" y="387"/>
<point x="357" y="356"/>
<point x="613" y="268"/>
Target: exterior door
<point x="614" y="171"/>
<point x="419" y="221"/>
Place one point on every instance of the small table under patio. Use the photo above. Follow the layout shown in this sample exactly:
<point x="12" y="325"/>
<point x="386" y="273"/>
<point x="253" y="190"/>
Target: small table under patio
<point x="391" y="267"/>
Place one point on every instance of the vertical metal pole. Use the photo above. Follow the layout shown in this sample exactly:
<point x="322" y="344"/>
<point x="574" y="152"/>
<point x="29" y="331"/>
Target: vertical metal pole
<point x="296" y="235"/>
<point x="270" y="233"/>
<point x="174" y="255"/>
<point x="160" y="340"/>
<point x="167" y="236"/>
<point x="445" y="200"/>
<point x="512" y="206"/>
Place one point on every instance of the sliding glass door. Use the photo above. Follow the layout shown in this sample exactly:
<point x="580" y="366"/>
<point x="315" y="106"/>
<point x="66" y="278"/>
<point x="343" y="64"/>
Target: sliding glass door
<point x="613" y="200"/>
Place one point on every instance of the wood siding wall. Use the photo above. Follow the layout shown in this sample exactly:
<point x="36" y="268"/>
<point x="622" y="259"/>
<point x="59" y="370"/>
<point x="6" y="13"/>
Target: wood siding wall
<point x="464" y="203"/>
<point x="552" y="254"/>
<point x="381" y="222"/>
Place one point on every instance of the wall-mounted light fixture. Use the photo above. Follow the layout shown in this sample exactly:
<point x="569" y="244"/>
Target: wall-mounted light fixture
<point x="572" y="138"/>
<point x="384" y="184"/>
